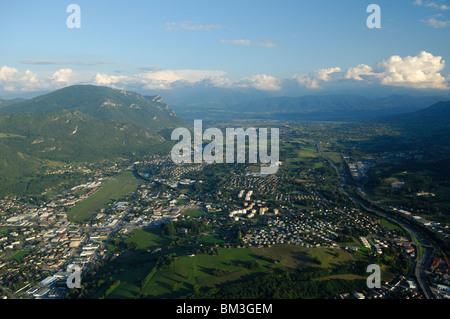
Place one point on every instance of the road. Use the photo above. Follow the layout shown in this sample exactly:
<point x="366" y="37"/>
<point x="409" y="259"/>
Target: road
<point x="423" y="244"/>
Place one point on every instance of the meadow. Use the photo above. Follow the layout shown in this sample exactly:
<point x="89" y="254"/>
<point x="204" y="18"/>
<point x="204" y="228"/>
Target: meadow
<point x="116" y="188"/>
<point x="192" y="271"/>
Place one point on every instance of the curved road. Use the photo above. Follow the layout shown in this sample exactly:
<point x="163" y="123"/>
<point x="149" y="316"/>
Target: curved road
<point x="423" y="259"/>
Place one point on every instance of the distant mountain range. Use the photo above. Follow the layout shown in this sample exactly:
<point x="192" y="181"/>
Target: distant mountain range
<point x="339" y="107"/>
<point x="324" y="107"/>
<point x="80" y="124"/>
<point x="8" y="102"/>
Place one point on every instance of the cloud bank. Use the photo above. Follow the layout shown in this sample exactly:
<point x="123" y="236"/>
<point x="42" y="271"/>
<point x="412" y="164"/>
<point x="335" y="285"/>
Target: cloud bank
<point x="423" y="71"/>
<point x="13" y="80"/>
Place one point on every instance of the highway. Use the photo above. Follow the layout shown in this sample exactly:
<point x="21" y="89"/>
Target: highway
<point x="423" y="260"/>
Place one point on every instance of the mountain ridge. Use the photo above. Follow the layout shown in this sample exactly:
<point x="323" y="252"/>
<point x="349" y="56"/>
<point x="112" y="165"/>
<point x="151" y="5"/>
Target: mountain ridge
<point x="104" y="103"/>
<point x="431" y="119"/>
<point x="341" y="107"/>
<point x="334" y="103"/>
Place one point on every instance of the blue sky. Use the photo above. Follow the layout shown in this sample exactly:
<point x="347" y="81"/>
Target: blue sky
<point x="159" y="45"/>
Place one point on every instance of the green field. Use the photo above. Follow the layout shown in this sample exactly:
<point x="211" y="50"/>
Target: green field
<point x="318" y="165"/>
<point x="148" y="239"/>
<point x="300" y="154"/>
<point x="296" y="257"/>
<point x="19" y="255"/>
<point x="334" y="156"/>
<point x="193" y="212"/>
<point x="115" y="189"/>
<point x="209" y="239"/>
<point x="308" y="152"/>
<point x="385" y="223"/>
<point x="189" y="272"/>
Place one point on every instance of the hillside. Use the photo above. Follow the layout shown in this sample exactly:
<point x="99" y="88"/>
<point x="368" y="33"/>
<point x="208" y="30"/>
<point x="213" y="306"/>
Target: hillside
<point x="74" y="136"/>
<point x="103" y="103"/>
<point x="4" y="102"/>
<point x="429" y="121"/>
<point x="78" y="124"/>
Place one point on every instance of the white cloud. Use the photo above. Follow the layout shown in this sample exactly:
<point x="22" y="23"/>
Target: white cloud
<point x="7" y="73"/>
<point x="190" y="76"/>
<point x="261" y="82"/>
<point x="324" y="74"/>
<point x="165" y="79"/>
<point x="435" y="5"/>
<point x="168" y="79"/>
<point x="421" y="71"/>
<point x="191" y="26"/>
<point x="12" y="79"/>
<point x="356" y="72"/>
<point x="313" y="80"/>
<point x="160" y="79"/>
<point x="435" y="23"/>
<point x="307" y="82"/>
<point x="63" y="76"/>
<point x="105" y="79"/>
<point x="246" y="42"/>
<point x="432" y="4"/>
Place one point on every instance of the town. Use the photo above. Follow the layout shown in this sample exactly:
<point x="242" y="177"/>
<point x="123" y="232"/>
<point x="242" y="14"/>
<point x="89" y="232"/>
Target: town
<point x="40" y="240"/>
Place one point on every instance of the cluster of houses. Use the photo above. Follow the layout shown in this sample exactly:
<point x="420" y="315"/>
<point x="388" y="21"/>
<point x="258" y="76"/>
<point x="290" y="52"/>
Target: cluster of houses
<point x="292" y="198"/>
<point x="402" y="288"/>
<point x="266" y="185"/>
<point x="298" y="229"/>
<point x="167" y="169"/>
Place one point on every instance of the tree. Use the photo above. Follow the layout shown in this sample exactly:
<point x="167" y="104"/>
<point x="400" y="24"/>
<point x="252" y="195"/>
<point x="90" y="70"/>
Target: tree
<point x="132" y="246"/>
<point x="196" y="287"/>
